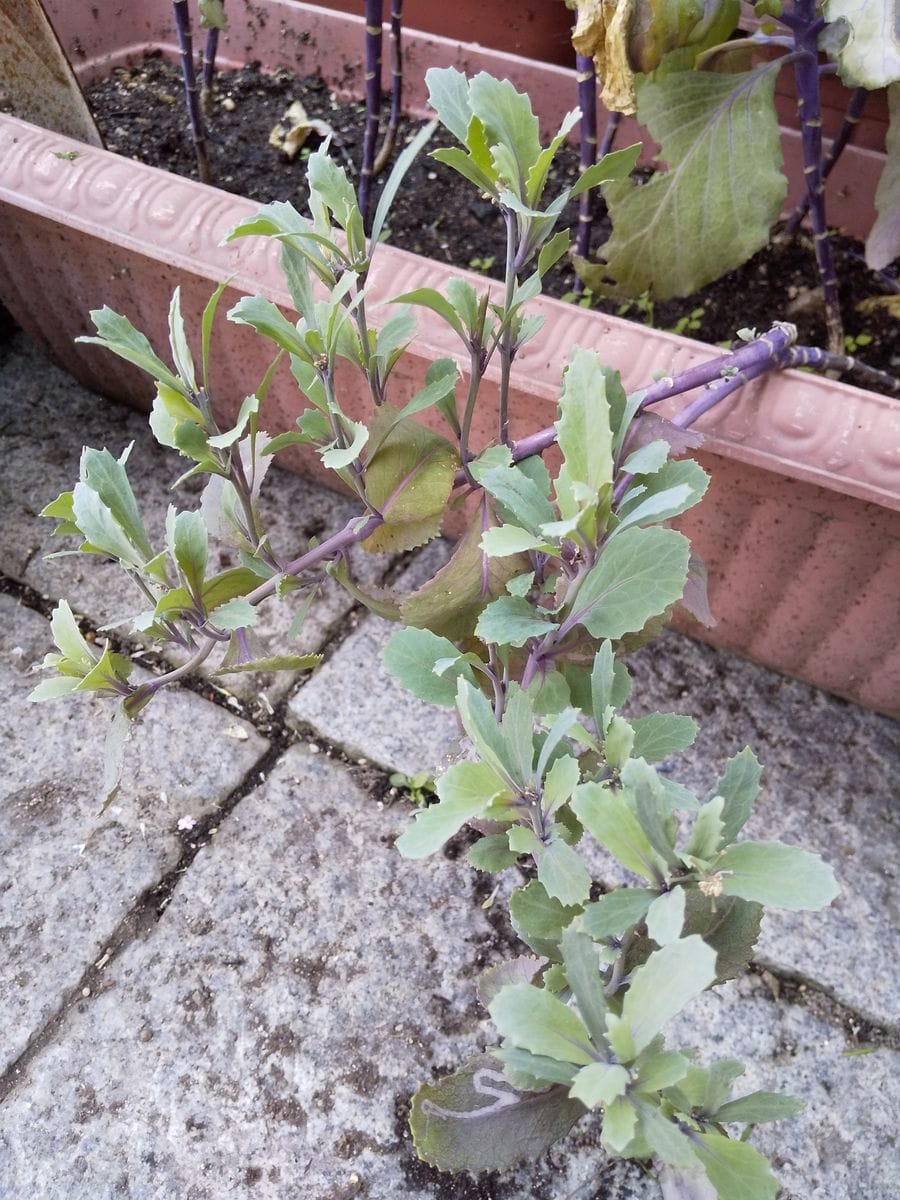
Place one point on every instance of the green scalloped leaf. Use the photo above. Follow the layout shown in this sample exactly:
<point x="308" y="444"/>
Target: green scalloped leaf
<point x="475" y="1120"/>
<point x="714" y="206"/>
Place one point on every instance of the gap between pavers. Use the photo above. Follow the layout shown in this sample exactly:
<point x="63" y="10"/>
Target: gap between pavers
<point x="832" y="776"/>
<point x="263" y="1039"/>
<point x="46" y="418"/>
<point x="72" y="875"/>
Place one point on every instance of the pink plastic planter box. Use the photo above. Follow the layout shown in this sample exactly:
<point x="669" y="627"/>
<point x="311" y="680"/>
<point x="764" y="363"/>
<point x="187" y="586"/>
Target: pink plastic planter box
<point x="801" y="528"/>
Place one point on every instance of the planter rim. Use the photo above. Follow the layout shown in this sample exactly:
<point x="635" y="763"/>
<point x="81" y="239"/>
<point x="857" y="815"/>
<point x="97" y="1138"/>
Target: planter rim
<point x="816" y="429"/>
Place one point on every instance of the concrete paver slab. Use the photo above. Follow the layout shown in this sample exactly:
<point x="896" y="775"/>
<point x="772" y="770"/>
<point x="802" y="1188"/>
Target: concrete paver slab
<point x="69" y="875"/>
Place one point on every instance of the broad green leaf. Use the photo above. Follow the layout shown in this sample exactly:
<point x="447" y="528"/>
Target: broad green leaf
<point x="69" y="639"/>
<point x="706" y="834"/>
<point x="266" y="318"/>
<point x="602" y="685"/>
<point x="338" y="457"/>
<point x="479" y="722"/>
<point x="228" y="585"/>
<point x="739" y="787"/>
<point x="735" y="1169"/>
<point x="618" y="742"/>
<point x="775" y="874"/>
<point x="100" y="528"/>
<point x="638" y="576"/>
<point x="539" y="920"/>
<point x="726" y="923"/>
<point x="448" y="95"/>
<point x="562" y="872"/>
<point x="668" y="980"/>
<point x="235" y="614"/>
<point x="582" y="969"/>
<point x="665" y="917"/>
<point x="429" y="298"/>
<point x="189" y="545"/>
<point x="508" y="120"/>
<point x="551" y="252"/>
<point x="758" y="1107"/>
<point x="537" y="175"/>
<point x="522" y="969"/>
<point x="330" y="183"/>
<point x="249" y="408"/>
<point x="619" y="1121"/>
<point x="109" y="671"/>
<point x="691" y="223"/>
<point x="584" y="438"/>
<point x="450" y="603"/>
<point x="617" y="165"/>
<point x="535" y="1020"/>
<point x="649" y="802"/>
<point x="474" y="1120"/>
<point x="465" y="790"/>
<point x="510" y="539"/>
<point x="410" y="656"/>
<point x="883" y="244"/>
<point x="663" y="1136"/>
<point x="518" y="732"/>
<point x="706" y="1089"/>
<point x="440" y="380"/>
<point x="617" y="911"/>
<point x="117" y="334"/>
<point x="521" y="500"/>
<point x="52" y="689"/>
<point x="511" y="621"/>
<point x="491" y="853"/>
<point x="408" y="480"/>
<point x="658" y="735"/>
<point x="532" y="1071"/>
<point x="653" y="509"/>
<point x="647" y="459"/>
<point x="562" y="778"/>
<point x="107" y="476"/>
<point x="664" y="494"/>
<point x="870" y="57"/>
<point x="599" y="1083"/>
<point x="608" y="818"/>
<point x="661" y="1068"/>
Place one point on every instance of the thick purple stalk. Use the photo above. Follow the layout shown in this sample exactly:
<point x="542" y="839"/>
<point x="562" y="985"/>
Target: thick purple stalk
<point x="806" y="72"/>
<point x="855" y="106"/>
<point x="374" y="21"/>
<point x="812" y="356"/>
<point x="390" y="134"/>
<point x="210" y="50"/>
<point x="195" y="114"/>
<point x="586" y="78"/>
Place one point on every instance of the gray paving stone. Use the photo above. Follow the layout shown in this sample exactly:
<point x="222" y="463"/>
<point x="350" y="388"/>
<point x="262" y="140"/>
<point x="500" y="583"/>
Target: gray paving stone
<point x="831" y="784"/>
<point x="844" y="1144"/>
<point x="46" y="418"/>
<point x="354" y="703"/>
<point x="71" y="875"/>
<point x="262" y="1039"/>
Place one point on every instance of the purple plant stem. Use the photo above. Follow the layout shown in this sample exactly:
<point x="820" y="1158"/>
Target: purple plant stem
<point x="374" y="20"/>
<point x="812" y="356"/>
<point x="390" y="134"/>
<point x="195" y="114"/>
<point x="855" y="106"/>
<point x="806" y="73"/>
<point x="210" y="50"/>
<point x="767" y="350"/>
<point x="586" y="78"/>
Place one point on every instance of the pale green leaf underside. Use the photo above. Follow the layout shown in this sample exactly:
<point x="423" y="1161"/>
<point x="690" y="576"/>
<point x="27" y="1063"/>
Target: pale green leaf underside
<point x="871" y="56"/>
<point x="713" y="208"/>
<point x="883" y="245"/>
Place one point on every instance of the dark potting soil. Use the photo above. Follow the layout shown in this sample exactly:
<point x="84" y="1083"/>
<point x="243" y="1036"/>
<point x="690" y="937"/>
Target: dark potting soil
<point x="141" y="113"/>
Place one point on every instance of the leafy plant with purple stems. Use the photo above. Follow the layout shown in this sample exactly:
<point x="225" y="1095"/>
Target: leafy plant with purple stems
<point x="561" y="571"/>
<point x="697" y="91"/>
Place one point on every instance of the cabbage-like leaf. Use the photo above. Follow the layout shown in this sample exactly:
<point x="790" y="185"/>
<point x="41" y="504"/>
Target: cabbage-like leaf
<point x="870" y="57"/>
<point x="883" y="245"/>
<point x="714" y="206"/>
